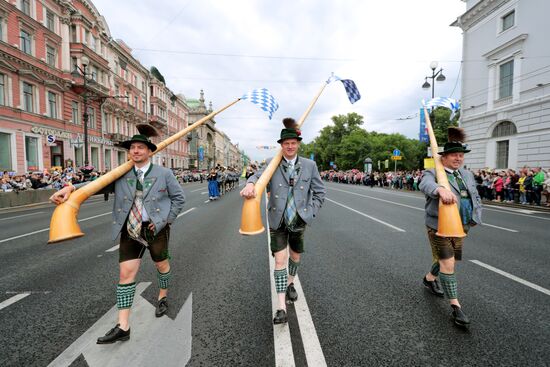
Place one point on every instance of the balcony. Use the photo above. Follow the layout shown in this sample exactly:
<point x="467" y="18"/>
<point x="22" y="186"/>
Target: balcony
<point x="118" y="138"/>
<point x="157" y="121"/>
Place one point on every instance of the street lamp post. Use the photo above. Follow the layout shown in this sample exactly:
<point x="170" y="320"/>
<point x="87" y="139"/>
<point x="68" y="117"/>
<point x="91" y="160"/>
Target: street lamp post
<point x="436" y="76"/>
<point x="77" y="72"/>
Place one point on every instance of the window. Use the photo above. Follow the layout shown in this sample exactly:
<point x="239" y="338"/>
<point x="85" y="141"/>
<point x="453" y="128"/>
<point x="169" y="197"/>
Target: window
<point x="50" y="56"/>
<point x="506" y="79"/>
<point x="94" y="73"/>
<point x="28" y="97"/>
<point x="503" y="148"/>
<point x="26" y="42"/>
<point x="136" y="102"/>
<point x="95" y="157"/>
<point x="75" y="113"/>
<point x="505" y="128"/>
<point x="107" y="159"/>
<point x="86" y="36"/>
<point x="79" y="155"/>
<point x="508" y="20"/>
<point x="122" y="156"/>
<point x="117" y="127"/>
<point x="31" y="153"/>
<point x="73" y="33"/>
<point x="2" y="90"/>
<point x="26" y="7"/>
<point x="1" y="28"/>
<point x="143" y="108"/>
<point x="92" y="43"/>
<point x="52" y="105"/>
<point x="91" y="118"/>
<point x="5" y="152"/>
<point x="50" y="21"/>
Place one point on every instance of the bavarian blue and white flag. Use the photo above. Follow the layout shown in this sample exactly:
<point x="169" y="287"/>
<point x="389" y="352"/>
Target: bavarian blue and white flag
<point x="264" y="99"/>
<point x="452" y="104"/>
<point x="349" y="85"/>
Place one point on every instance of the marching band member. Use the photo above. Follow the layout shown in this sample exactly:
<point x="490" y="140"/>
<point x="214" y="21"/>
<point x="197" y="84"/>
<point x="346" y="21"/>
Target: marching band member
<point x="147" y="200"/>
<point x="447" y="250"/>
<point x="296" y="195"/>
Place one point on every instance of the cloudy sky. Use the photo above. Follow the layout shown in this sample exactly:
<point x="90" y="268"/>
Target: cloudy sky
<point x="291" y="47"/>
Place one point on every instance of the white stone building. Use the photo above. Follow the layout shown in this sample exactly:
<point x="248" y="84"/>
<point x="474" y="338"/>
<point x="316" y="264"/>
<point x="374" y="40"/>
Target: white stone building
<point x="506" y="82"/>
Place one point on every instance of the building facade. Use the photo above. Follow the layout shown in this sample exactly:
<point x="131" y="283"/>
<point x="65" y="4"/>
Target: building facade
<point x="506" y="83"/>
<point x="60" y="70"/>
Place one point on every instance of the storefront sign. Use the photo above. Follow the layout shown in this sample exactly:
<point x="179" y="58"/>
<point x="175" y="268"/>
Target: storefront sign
<point x="49" y="131"/>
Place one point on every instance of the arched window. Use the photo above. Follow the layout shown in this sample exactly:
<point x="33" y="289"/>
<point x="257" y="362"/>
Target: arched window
<point x="505" y="128"/>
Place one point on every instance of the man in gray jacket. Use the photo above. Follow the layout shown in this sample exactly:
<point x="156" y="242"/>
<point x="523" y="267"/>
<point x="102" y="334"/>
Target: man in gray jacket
<point x="147" y="200"/>
<point x="296" y="193"/>
<point x="445" y="250"/>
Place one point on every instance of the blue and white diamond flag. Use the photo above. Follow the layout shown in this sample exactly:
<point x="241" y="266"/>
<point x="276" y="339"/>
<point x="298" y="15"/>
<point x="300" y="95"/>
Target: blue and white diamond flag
<point x="450" y="103"/>
<point x="264" y="99"/>
<point x="349" y="85"/>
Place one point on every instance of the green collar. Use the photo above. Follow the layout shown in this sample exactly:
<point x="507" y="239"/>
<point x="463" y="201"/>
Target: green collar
<point x="146" y="173"/>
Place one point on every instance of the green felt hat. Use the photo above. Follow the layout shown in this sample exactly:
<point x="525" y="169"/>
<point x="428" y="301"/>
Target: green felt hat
<point x="139" y="138"/>
<point x="290" y="133"/>
<point x="454" y="147"/>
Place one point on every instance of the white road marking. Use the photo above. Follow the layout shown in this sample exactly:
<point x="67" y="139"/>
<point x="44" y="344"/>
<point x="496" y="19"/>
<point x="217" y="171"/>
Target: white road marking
<point x="205" y="192"/>
<point x="202" y="188"/>
<point x="516" y="210"/>
<point x="13" y="299"/>
<point x="207" y="201"/>
<point x="367" y="216"/>
<point x="513" y="277"/>
<point x="375" y="198"/>
<point x="514" y="213"/>
<point x="154" y="341"/>
<point x="185" y="212"/>
<point x="284" y="356"/>
<point x="47" y="229"/>
<point x="19" y="216"/>
<point x="114" y="248"/>
<point x="504" y="229"/>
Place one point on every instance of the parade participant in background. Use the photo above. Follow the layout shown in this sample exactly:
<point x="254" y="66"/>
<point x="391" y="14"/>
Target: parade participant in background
<point x="213" y="191"/>
<point x="447" y="250"/>
<point x="296" y="195"/>
<point x="147" y="200"/>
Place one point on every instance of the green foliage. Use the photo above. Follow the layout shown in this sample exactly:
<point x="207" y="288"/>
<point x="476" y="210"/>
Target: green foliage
<point x="156" y="73"/>
<point x="347" y="144"/>
<point x="440" y="123"/>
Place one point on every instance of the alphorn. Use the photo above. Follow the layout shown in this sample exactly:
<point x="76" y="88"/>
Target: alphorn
<point x="64" y="223"/>
<point x="449" y="223"/>
<point x="251" y="218"/>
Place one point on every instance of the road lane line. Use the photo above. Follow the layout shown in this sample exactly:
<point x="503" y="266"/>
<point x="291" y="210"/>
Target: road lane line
<point x="284" y="355"/>
<point x="504" y="229"/>
<point x="368" y="216"/>
<point x="515" y="210"/>
<point x="375" y="198"/>
<point x="207" y="201"/>
<point x="19" y="216"/>
<point x="205" y="192"/>
<point x="513" y="277"/>
<point x="13" y="299"/>
<point x="185" y="212"/>
<point x="202" y="188"/>
<point x="514" y="213"/>
<point x="47" y="229"/>
<point x="310" y="340"/>
<point x="114" y="248"/>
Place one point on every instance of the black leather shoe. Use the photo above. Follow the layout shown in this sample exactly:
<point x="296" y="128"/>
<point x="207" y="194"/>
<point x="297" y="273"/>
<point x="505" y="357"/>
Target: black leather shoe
<point x="459" y="317"/>
<point x="114" y="335"/>
<point x="291" y="293"/>
<point x="162" y="307"/>
<point x="280" y="317"/>
<point x="433" y="287"/>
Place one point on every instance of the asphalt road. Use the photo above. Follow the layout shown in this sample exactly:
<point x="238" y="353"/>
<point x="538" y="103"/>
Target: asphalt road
<point x="361" y="276"/>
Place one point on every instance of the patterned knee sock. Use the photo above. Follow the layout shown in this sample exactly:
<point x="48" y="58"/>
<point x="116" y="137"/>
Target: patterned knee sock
<point x="164" y="279"/>
<point x="449" y="284"/>
<point x="292" y="267"/>
<point x="435" y="269"/>
<point x="125" y="295"/>
<point x="281" y="280"/>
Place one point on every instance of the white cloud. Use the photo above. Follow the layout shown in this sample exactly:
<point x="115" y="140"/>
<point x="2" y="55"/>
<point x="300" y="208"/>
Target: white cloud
<point x="390" y="44"/>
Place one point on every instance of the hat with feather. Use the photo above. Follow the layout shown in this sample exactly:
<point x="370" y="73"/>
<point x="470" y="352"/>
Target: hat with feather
<point x="290" y="131"/>
<point x="455" y="143"/>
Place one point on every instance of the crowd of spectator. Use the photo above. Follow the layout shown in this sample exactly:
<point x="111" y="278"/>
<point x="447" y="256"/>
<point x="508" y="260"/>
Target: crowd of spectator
<point x="527" y="186"/>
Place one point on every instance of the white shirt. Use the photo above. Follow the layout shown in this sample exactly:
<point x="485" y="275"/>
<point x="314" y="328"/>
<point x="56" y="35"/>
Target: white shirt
<point x="291" y="162"/>
<point x="144" y="169"/>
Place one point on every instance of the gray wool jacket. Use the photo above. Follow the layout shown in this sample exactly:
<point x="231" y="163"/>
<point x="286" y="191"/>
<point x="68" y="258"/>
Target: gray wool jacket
<point x="309" y="190"/>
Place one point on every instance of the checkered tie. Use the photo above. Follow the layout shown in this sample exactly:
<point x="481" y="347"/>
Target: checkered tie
<point x="290" y="211"/>
<point x="134" y="219"/>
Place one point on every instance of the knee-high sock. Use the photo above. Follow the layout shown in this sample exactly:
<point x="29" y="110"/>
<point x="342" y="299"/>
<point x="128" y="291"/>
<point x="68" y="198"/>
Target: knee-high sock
<point x="281" y="280"/>
<point x="435" y="269"/>
<point x="164" y="279"/>
<point x="449" y="284"/>
<point x="292" y="267"/>
<point x="125" y="295"/>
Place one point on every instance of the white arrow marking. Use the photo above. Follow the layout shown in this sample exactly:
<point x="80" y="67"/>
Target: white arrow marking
<point x="153" y="341"/>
